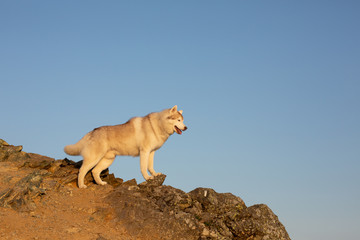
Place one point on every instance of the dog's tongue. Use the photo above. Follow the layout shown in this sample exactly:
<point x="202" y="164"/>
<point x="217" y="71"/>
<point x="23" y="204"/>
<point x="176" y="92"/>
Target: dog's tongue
<point x="178" y="131"/>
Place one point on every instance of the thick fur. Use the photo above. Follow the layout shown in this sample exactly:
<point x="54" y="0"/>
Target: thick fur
<point x="140" y="136"/>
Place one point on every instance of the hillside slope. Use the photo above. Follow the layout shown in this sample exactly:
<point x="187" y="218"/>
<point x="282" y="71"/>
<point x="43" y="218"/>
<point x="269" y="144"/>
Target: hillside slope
<point x="39" y="199"/>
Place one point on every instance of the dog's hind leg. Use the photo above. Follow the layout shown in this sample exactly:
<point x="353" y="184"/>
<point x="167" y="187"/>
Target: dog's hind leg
<point x="104" y="163"/>
<point x="88" y="163"/>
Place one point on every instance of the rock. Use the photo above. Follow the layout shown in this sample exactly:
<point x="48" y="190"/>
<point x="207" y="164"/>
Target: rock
<point x="155" y="182"/>
<point x="3" y="143"/>
<point x="259" y="222"/>
<point x="143" y="218"/>
<point x="217" y="203"/>
<point x="11" y="153"/>
<point x="54" y="166"/>
<point x="169" y="198"/>
<point x="110" y="178"/>
<point x="22" y="195"/>
<point x="38" y="161"/>
<point x="130" y="184"/>
<point x="149" y="210"/>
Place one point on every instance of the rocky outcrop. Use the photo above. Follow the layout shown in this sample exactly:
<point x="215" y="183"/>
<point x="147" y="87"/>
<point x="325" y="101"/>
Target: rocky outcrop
<point x="149" y="210"/>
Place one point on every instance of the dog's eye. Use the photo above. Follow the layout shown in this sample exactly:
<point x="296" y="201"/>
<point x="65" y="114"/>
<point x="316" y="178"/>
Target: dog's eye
<point x="178" y="120"/>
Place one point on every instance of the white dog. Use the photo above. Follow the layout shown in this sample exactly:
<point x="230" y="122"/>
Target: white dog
<point x="139" y="136"/>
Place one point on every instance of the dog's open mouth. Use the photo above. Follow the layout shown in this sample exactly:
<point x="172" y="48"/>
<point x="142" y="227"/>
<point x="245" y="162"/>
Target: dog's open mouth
<point x="178" y="131"/>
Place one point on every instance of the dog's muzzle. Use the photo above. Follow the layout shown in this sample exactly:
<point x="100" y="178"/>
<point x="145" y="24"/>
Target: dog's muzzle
<point x="179" y="131"/>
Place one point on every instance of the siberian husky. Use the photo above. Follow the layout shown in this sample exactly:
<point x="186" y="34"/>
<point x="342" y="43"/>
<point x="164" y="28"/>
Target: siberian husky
<point x="140" y="136"/>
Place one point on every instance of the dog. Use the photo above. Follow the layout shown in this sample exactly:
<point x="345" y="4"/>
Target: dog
<point x="140" y="136"/>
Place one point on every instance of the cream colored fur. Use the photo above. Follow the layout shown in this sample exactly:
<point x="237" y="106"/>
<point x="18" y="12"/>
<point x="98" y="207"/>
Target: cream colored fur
<point x="140" y="136"/>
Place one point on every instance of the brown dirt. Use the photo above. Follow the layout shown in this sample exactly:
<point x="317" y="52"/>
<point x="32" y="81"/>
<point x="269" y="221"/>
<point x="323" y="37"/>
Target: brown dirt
<point x="67" y="213"/>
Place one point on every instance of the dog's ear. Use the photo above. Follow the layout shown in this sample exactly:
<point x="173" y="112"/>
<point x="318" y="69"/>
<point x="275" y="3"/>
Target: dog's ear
<point x="174" y="109"/>
<point x="181" y="111"/>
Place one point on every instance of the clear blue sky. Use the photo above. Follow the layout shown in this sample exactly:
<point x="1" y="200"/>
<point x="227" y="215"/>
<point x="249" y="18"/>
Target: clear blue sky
<point x="270" y="92"/>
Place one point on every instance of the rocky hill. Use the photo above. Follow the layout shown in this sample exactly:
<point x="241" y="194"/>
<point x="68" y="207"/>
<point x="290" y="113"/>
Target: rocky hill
<point x="39" y="199"/>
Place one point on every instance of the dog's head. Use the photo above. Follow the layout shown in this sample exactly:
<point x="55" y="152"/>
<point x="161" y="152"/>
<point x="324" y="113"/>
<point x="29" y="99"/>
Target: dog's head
<point x="177" y="120"/>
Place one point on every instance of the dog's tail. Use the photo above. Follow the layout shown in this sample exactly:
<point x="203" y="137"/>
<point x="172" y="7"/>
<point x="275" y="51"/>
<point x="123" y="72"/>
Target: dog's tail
<point x="75" y="149"/>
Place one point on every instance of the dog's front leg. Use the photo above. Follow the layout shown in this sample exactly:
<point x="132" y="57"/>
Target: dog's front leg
<point x="151" y="165"/>
<point x="144" y="161"/>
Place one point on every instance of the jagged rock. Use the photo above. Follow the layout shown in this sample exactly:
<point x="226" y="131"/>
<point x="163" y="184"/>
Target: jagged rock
<point x="202" y="212"/>
<point x="110" y="178"/>
<point x="3" y="143"/>
<point x="12" y="153"/>
<point x="217" y="203"/>
<point x="22" y="195"/>
<point x="144" y="219"/>
<point x="149" y="210"/>
<point x="38" y="161"/>
<point x="213" y="208"/>
<point x="259" y="222"/>
<point x="155" y="182"/>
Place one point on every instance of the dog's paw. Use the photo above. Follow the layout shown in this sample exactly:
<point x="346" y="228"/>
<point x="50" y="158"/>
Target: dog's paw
<point x="102" y="183"/>
<point x="157" y="174"/>
<point x="149" y="178"/>
<point x="83" y="186"/>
